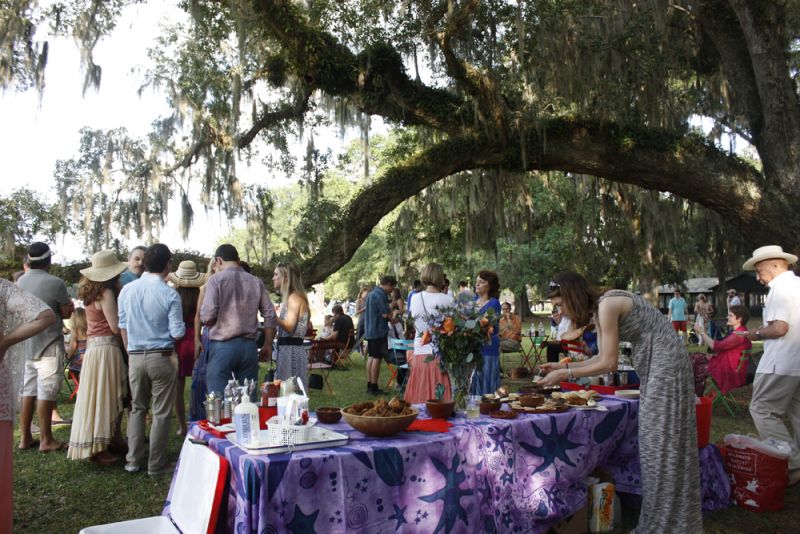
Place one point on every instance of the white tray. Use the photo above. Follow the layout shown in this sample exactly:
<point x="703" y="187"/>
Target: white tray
<point x="319" y="438"/>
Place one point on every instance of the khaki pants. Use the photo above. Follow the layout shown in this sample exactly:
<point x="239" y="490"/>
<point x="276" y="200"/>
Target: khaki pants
<point x="776" y="396"/>
<point x="153" y="376"/>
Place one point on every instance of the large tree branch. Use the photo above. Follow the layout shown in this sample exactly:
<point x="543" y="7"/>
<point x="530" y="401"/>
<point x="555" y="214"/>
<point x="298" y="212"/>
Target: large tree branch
<point x="764" y="31"/>
<point x="375" y="79"/>
<point x="684" y="165"/>
<point x="292" y="110"/>
<point x="478" y="84"/>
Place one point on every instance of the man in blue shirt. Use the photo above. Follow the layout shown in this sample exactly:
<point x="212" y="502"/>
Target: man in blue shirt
<point x="677" y="312"/>
<point x="150" y="321"/>
<point x="376" y="330"/>
<point x="135" y="266"/>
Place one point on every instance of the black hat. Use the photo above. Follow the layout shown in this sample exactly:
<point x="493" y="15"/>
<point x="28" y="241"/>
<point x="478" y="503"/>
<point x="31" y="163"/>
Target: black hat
<point x="39" y="251"/>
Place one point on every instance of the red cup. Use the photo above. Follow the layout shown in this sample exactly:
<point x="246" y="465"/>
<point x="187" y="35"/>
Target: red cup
<point x="703" y="412"/>
<point x="265" y="413"/>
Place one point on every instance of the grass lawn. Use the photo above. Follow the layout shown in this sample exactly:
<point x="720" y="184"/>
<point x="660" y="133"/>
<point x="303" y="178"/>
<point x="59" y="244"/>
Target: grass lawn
<point x="53" y="494"/>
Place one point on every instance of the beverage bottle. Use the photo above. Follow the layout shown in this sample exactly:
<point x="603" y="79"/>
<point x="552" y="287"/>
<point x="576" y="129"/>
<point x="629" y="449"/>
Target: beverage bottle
<point x="245" y="419"/>
<point x="533" y="333"/>
<point x="227" y="400"/>
<point x="541" y="328"/>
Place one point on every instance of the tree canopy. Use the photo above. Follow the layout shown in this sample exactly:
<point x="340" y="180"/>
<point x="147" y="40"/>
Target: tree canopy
<point x="489" y="94"/>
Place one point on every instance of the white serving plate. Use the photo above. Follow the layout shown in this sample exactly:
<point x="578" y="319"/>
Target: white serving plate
<point x="627" y="393"/>
<point x="319" y="438"/>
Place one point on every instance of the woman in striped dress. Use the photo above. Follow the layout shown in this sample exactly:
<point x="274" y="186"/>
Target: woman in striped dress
<point x="292" y="323"/>
<point x="667" y="432"/>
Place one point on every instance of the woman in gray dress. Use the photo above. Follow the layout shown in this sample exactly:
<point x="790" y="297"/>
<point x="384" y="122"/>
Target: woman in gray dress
<point x="667" y="432"/>
<point x="292" y="323"/>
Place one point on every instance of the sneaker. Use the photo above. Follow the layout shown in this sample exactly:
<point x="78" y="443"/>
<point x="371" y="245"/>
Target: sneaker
<point x="167" y="469"/>
<point x="132" y="468"/>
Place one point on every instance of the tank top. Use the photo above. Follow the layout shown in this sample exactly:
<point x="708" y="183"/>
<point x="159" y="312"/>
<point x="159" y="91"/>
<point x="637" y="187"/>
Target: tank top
<point x="96" y="323"/>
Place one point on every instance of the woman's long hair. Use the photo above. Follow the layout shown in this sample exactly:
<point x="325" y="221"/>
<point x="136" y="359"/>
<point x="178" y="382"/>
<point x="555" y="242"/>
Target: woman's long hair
<point x="291" y="282"/>
<point x="491" y="278"/>
<point x="90" y="292"/>
<point x="79" y="324"/>
<point x="578" y="297"/>
<point x="189" y="296"/>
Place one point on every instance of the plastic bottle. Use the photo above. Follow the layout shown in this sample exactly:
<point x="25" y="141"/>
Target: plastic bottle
<point x="541" y="328"/>
<point x="245" y="419"/>
<point x="532" y="333"/>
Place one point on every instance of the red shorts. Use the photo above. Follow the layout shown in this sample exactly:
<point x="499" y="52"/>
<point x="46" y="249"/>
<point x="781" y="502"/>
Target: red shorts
<point x="679" y="326"/>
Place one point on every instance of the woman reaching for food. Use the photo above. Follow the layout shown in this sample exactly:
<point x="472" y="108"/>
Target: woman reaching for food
<point x="667" y="431"/>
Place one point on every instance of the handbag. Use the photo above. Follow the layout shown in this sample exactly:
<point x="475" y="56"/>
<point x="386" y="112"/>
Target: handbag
<point x="315" y="381"/>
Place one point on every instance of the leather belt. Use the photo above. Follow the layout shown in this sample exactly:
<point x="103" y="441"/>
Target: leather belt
<point x="164" y="351"/>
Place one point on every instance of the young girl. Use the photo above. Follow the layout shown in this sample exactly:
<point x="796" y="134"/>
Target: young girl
<point x="77" y="342"/>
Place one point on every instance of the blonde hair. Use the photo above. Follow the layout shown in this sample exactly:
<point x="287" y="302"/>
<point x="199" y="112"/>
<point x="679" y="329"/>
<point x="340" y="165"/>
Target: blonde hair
<point x="432" y="275"/>
<point x="291" y="282"/>
<point x="79" y="324"/>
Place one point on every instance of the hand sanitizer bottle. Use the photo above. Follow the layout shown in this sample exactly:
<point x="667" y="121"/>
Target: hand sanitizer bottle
<point x="245" y="419"/>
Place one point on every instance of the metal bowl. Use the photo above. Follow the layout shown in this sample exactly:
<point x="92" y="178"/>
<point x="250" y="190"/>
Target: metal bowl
<point x="379" y="427"/>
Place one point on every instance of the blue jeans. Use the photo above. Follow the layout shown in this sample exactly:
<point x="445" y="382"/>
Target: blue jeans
<point x="235" y="357"/>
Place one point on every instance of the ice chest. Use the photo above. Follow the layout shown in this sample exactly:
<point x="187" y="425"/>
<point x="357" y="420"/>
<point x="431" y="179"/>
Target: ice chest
<point x="196" y="497"/>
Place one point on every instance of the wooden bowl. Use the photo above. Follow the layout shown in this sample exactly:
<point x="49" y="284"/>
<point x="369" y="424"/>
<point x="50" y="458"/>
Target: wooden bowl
<point x="488" y="406"/>
<point x="379" y="427"/>
<point x="531" y="400"/>
<point x="440" y="409"/>
<point x="329" y="415"/>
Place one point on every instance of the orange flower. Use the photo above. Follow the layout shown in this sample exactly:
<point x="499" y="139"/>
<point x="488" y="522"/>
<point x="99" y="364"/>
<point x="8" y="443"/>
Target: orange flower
<point x="448" y="326"/>
<point x="426" y="337"/>
<point x="490" y="331"/>
<point x="484" y="321"/>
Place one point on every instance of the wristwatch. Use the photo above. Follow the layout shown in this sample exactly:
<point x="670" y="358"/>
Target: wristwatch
<point x="759" y="336"/>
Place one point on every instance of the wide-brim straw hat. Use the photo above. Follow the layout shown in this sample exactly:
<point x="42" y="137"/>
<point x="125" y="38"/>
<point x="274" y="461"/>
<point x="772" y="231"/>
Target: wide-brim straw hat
<point x="105" y="266"/>
<point x="770" y="252"/>
<point x="187" y="275"/>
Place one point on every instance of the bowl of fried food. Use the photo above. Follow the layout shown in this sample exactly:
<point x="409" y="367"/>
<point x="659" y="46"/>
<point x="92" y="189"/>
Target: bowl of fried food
<point x="380" y="418"/>
<point x="531" y="400"/>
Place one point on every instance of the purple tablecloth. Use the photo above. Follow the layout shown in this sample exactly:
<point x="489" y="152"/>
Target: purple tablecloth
<point x="485" y="475"/>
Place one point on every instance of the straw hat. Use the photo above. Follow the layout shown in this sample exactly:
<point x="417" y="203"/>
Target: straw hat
<point x="105" y="266"/>
<point x="770" y="252"/>
<point x="187" y="275"/>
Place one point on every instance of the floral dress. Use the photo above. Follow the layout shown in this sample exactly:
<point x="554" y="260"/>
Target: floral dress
<point x="17" y="307"/>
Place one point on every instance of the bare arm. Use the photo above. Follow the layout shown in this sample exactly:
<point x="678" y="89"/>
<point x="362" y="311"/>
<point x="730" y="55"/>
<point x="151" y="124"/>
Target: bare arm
<point x="295" y="308"/>
<point x="198" y="324"/>
<point x="73" y="346"/>
<point x="124" y="333"/>
<point x="773" y="330"/>
<point x="108" y="303"/>
<point x="608" y="314"/>
<point x="66" y="310"/>
<point x="26" y="330"/>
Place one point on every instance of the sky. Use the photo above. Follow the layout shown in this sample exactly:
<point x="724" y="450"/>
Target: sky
<point x="37" y="133"/>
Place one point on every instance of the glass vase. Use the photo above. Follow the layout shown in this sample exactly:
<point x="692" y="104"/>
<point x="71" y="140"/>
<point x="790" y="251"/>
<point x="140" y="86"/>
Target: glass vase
<point x="460" y="376"/>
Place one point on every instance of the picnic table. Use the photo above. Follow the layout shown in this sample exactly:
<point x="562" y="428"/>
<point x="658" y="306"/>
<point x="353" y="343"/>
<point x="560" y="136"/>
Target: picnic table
<point x="484" y="474"/>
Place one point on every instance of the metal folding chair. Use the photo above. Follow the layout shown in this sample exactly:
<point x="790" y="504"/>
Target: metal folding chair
<point x="316" y="359"/>
<point x="401" y="345"/>
<point x="726" y="399"/>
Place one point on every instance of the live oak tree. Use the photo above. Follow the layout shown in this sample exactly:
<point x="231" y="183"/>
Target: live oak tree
<point x="606" y="88"/>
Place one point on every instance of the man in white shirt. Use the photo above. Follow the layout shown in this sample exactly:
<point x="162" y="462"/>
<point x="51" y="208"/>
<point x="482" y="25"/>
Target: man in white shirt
<point x="733" y="299"/>
<point x="776" y="389"/>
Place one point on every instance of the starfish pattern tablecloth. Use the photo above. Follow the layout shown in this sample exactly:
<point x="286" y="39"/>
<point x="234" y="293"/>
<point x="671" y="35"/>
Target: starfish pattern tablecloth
<point x="485" y="475"/>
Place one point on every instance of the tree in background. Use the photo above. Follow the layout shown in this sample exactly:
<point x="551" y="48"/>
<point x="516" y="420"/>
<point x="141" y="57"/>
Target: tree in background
<point x="606" y="88"/>
<point x="24" y="217"/>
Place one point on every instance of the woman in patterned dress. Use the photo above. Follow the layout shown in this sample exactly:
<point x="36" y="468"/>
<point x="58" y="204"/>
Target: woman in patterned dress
<point x="667" y="431"/>
<point x="292" y="323"/>
<point x="21" y="316"/>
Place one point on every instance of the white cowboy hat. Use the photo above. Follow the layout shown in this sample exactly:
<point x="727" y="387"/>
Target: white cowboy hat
<point x="770" y="252"/>
<point x="105" y="266"/>
<point x="187" y="275"/>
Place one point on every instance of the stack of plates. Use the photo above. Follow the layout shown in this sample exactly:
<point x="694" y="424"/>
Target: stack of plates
<point x="627" y="393"/>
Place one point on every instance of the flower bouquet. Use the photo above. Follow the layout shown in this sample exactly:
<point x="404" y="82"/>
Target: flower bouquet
<point x="457" y="336"/>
